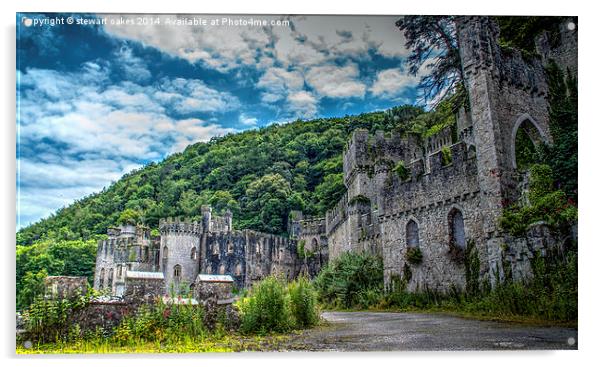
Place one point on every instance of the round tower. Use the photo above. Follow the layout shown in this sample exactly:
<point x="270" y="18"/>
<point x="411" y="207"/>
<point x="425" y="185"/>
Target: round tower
<point x="179" y="253"/>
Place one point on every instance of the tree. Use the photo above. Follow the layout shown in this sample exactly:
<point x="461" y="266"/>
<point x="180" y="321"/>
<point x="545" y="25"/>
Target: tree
<point x="129" y="216"/>
<point x="435" y="56"/>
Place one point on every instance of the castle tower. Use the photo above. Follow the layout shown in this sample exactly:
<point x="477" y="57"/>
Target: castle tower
<point x="180" y="252"/>
<point x="506" y="93"/>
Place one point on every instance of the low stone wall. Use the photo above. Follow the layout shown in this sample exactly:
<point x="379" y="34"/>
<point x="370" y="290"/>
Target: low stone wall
<point x="102" y="314"/>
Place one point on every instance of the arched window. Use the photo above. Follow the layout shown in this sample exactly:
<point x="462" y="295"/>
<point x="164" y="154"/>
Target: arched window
<point x="456" y="228"/>
<point x="412" y="239"/>
<point x="238" y="270"/>
<point x="165" y="252"/>
<point x="222" y="269"/>
<point x="230" y="247"/>
<point x="119" y="271"/>
<point x="110" y="281"/>
<point x="101" y="281"/>
<point x="314" y="245"/>
<point x="193" y="253"/>
<point x="177" y="272"/>
<point x="526" y="136"/>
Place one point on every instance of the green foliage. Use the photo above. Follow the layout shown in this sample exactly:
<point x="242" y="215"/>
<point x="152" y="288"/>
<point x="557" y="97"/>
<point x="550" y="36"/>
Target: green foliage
<point x="304" y="303"/>
<point x="414" y="255"/>
<point x="472" y="268"/>
<point x="402" y="172"/>
<point x="526" y="152"/>
<point x="32" y="286"/>
<point x="562" y="155"/>
<point x="47" y="320"/>
<point x="520" y="32"/>
<point x="130" y="216"/>
<point x="344" y="281"/>
<point x="446" y="156"/>
<point x="74" y="258"/>
<point x="267" y="308"/>
<point x="545" y="204"/>
<point x="160" y="322"/>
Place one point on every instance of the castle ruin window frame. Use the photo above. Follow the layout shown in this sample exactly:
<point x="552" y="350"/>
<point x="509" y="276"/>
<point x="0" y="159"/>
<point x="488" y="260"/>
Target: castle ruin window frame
<point x="457" y="228"/>
<point x="193" y="253"/>
<point x="177" y="271"/>
<point x="101" y="280"/>
<point x="412" y="234"/>
<point x="533" y="130"/>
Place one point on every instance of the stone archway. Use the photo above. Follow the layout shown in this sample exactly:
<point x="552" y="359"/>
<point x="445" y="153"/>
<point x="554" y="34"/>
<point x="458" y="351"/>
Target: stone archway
<point x="525" y="125"/>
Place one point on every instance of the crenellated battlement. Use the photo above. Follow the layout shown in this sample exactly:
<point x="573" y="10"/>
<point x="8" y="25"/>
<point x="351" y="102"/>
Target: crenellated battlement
<point x="178" y="225"/>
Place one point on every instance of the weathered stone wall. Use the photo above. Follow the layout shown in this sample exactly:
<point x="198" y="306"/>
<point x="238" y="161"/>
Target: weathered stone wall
<point x="65" y="286"/>
<point x="180" y="249"/>
<point x="428" y="200"/>
<point x="143" y="290"/>
<point x="248" y="256"/>
<point x="127" y="248"/>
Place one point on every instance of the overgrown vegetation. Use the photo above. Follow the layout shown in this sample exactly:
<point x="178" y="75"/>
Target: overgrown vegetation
<point x="350" y="281"/>
<point x="414" y="255"/>
<point x="520" y="32"/>
<point x="271" y="306"/>
<point x="402" y="171"/>
<point x="550" y="295"/>
<point x="274" y="306"/>
<point x="543" y="204"/>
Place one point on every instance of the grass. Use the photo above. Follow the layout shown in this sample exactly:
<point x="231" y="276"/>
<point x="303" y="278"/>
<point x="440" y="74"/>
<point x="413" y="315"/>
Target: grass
<point x="211" y="344"/>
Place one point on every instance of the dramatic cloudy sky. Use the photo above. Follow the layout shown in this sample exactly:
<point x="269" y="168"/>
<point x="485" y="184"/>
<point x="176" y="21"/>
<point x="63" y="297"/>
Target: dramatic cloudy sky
<point x="95" y="102"/>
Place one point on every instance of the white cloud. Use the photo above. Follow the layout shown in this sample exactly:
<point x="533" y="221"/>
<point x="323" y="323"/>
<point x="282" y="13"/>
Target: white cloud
<point x="278" y="82"/>
<point x="302" y="104"/>
<point x="247" y="120"/>
<point x="392" y="82"/>
<point x="134" y="67"/>
<point x="47" y="186"/>
<point x="336" y="82"/>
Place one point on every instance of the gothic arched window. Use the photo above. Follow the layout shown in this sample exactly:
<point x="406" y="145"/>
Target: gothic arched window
<point x="165" y="252"/>
<point x="412" y="238"/>
<point x="456" y="228"/>
<point x="101" y="281"/>
<point x="193" y="253"/>
<point x="177" y="271"/>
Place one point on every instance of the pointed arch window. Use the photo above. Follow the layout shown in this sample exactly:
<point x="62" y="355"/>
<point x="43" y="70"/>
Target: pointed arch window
<point x="412" y="239"/>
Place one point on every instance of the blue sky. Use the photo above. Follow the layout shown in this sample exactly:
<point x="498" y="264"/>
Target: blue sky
<point x="96" y="101"/>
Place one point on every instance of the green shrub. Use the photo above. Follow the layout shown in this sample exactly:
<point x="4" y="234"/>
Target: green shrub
<point x="304" y="303"/>
<point x="267" y="308"/>
<point x="402" y="172"/>
<point x="446" y="156"/>
<point x="161" y="322"/>
<point x="414" y="255"/>
<point x="552" y="207"/>
<point x="341" y="283"/>
<point x="47" y="320"/>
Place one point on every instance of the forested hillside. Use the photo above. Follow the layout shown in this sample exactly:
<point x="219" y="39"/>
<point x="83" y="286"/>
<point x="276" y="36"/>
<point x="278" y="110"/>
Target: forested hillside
<point x="260" y="175"/>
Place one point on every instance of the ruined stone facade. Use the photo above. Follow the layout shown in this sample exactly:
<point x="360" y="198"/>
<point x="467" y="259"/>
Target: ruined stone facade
<point x="132" y="263"/>
<point x="441" y="204"/>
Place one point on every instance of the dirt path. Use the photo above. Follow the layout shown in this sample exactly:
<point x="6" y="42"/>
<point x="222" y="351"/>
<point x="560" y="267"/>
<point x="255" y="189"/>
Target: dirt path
<point x="376" y="331"/>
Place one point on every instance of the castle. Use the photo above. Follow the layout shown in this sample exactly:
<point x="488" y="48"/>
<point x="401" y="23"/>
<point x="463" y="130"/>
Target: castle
<point x="455" y="186"/>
